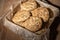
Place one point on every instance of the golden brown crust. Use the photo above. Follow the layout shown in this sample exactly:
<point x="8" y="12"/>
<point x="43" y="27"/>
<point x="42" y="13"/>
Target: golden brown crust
<point x="21" y="16"/>
<point x="32" y="24"/>
<point x="28" y="6"/>
<point x="41" y="12"/>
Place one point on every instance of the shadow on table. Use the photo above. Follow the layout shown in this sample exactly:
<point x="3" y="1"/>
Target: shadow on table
<point x="53" y="29"/>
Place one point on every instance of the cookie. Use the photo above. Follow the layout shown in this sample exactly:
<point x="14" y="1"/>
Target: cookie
<point x="28" y="6"/>
<point x="41" y="12"/>
<point x="32" y="24"/>
<point x="21" y="16"/>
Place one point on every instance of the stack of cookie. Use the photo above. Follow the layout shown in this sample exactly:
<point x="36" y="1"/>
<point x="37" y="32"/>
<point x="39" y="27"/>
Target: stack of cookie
<point x="31" y="16"/>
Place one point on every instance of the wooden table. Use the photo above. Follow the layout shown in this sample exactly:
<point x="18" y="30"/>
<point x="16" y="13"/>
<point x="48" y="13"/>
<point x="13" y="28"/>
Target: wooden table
<point x="55" y="2"/>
